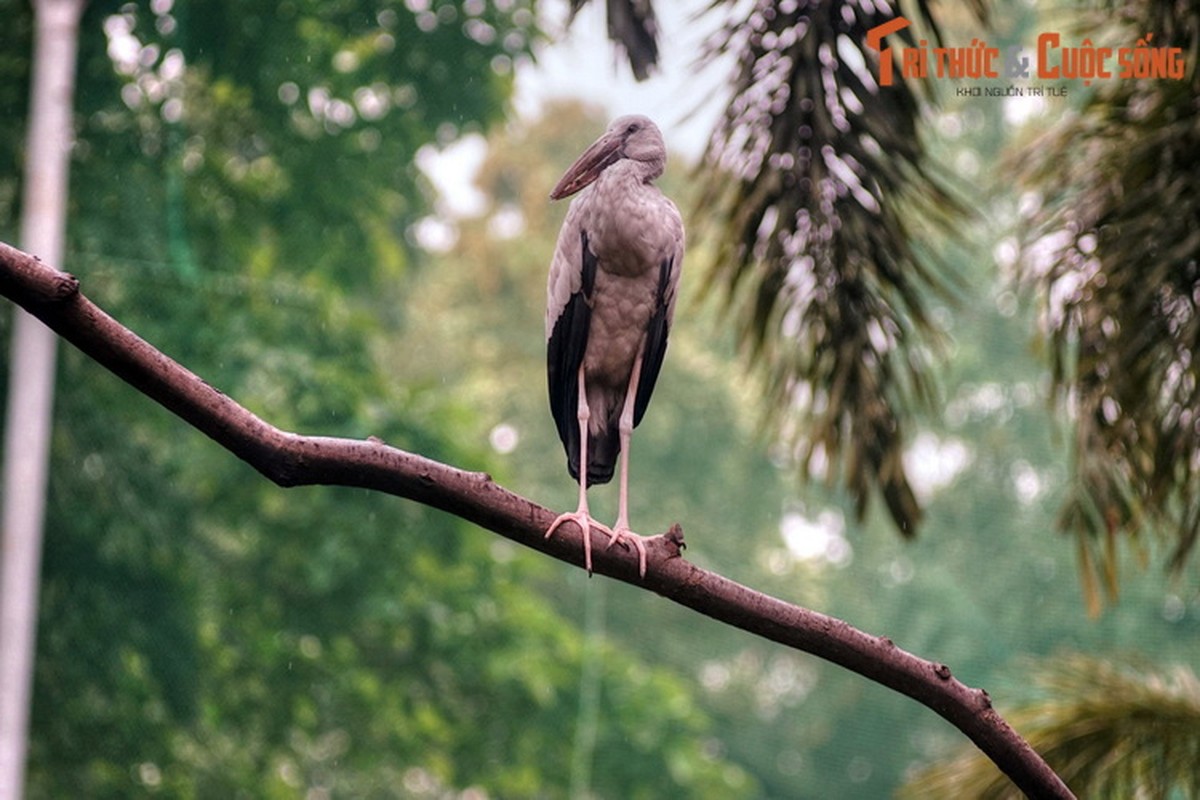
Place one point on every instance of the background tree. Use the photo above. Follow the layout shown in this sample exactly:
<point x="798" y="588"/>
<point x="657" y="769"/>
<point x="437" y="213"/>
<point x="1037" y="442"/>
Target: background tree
<point x="30" y="401"/>
<point x="819" y="186"/>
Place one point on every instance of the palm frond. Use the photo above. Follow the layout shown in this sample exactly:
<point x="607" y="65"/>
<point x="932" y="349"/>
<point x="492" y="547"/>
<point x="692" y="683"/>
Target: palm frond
<point x="810" y="182"/>
<point x="633" y="27"/>
<point x="1110" y="731"/>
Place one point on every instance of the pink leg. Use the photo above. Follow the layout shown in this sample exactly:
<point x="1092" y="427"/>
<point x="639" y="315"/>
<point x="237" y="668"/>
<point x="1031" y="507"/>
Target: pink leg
<point x="580" y="515"/>
<point x="621" y="529"/>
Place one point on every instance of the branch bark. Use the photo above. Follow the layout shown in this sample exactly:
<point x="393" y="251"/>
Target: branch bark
<point x="290" y="459"/>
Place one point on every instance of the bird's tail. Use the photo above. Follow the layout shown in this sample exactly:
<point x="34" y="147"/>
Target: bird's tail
<point x="603" y="449"/>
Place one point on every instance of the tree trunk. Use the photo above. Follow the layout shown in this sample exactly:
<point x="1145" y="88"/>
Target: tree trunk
<point x="31" y="380"/>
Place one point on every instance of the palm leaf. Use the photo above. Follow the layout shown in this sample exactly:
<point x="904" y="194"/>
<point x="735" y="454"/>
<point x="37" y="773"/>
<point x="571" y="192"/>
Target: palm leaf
<point x="809" y="187"/>
<point x="633" y="27"/>
<point x="1110" y="731"/>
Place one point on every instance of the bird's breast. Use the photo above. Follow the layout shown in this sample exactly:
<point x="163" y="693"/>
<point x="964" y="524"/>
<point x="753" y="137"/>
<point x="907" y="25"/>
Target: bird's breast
<point x="621" y="308"/>
<point x="631" y="226"/>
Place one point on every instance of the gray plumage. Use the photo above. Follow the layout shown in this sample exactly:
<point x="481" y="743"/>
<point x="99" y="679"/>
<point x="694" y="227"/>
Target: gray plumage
<point x="612" y="288"/>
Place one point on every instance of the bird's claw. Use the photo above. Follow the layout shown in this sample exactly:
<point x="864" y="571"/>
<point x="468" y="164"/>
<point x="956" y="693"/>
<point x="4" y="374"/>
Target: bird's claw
<point x="584" y="522"/>
<point x="622" y="532"/>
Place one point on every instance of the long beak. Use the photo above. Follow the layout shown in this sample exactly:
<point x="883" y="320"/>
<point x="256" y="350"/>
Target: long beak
<point x="587" y="168"/>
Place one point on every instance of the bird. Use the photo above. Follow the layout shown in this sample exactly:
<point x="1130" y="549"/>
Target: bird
<point x="610" y="299"/>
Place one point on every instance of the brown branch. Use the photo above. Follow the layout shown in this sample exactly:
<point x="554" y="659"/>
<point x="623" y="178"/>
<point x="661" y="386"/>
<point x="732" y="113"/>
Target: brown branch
<point x="290" y="459"/>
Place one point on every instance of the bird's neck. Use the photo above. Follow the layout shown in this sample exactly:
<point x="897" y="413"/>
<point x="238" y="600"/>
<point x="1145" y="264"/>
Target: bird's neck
<point x="630" y="171"/>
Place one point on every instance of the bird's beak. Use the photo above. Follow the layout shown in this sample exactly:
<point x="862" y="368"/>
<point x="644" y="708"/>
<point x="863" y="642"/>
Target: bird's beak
<point x="587" y="168"/>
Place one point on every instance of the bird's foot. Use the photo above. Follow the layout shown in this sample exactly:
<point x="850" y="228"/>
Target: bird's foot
<point x="584" y="521"/>
<point x="622" y="533"/>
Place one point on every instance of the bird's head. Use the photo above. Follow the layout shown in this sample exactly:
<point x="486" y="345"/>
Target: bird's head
<point x="633" y="137"/>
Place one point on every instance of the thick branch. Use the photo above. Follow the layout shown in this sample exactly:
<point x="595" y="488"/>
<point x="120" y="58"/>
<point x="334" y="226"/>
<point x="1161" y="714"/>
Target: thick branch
<point x="290" y="459"/>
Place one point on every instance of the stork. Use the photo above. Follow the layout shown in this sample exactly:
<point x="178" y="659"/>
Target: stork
<point x="610" y="299"/>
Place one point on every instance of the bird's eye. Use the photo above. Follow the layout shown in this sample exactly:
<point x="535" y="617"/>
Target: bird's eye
<point x="633" y="126"/>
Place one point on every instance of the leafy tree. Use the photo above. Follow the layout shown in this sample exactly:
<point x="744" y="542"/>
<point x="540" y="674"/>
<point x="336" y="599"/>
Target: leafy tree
<point x="815" y="177"/>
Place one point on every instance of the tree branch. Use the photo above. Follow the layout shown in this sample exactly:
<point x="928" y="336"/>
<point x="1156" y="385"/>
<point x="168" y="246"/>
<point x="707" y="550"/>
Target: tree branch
<point x="289" y="459"/>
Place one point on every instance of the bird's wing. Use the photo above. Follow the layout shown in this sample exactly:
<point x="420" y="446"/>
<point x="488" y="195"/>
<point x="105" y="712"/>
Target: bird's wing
<point x="568" y="321"/>
<point x="659" y="327"/>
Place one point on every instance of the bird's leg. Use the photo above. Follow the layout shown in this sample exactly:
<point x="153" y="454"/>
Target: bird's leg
<point x="621" y="529"/>
<point x="580" y="516"/>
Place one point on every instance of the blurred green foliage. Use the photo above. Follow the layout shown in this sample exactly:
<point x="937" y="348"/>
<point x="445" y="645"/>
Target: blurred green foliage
<point x="204" y="633"/>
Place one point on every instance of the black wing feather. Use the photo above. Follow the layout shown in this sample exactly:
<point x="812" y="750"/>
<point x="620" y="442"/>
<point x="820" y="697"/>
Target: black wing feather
<point x="656" y="342"/>
<point x="564" y="354"/>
